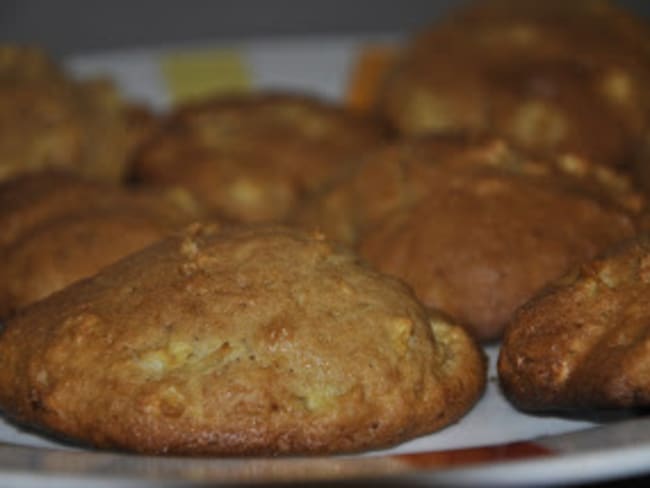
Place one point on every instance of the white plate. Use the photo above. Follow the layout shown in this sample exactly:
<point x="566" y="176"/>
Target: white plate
<point x="589" y="452"/>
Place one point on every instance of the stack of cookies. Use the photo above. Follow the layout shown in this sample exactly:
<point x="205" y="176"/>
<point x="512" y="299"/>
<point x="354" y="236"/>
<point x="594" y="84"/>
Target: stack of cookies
<point x="274" y="274"/>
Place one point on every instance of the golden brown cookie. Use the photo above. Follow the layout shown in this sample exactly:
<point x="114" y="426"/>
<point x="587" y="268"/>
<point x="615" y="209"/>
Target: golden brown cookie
<point x="47" y="120"/>
<point x="485" y="242"/>
<point x="584" y="342"/>
<point x="254" y="157"/>
<point x="398" y="175"/>
<point x="250" y="341"/>
<point x="60" y="228"/>
<point x="549" y="76"/>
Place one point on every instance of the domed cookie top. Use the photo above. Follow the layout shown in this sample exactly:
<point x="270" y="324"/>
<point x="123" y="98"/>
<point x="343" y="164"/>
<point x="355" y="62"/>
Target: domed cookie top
<point x="252" y="341"/>
<point x="253" y="158"/>
<point x="584" y="342"/>
<point x="549" y="76"/>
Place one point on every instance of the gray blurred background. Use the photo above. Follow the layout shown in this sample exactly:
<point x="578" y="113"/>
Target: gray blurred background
<point x="67" y="27"/>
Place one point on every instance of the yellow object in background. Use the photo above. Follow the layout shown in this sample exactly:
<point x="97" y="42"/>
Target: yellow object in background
<point x="199" y="74"/>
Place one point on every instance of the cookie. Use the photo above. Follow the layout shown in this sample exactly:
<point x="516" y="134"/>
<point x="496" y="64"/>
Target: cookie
<point x="254" y="157"/>
<point x="61" y="228"/>
<point x="48" y="120"/>
<point x="248" y="341"/>
<point x="483" y="243"/>
<point x="549" y="76"/>
<point x="583" y="343"/>
<point x="475" y="226"/>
